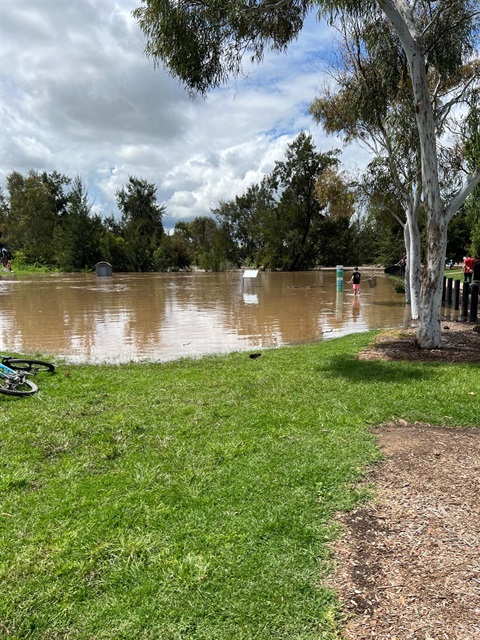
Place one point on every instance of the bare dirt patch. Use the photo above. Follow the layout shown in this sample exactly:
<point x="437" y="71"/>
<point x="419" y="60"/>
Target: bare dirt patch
<point x="460" y="343"/>
<point x="408" y="564"/>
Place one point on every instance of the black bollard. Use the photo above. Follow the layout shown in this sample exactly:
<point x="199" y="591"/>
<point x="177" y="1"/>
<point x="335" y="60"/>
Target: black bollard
<point x="449" y="290"/>
<point x="465" y="289"/>
<point x="443" y="288"/>
<point x="474" y="303"/>
<point x="456" y="295"/>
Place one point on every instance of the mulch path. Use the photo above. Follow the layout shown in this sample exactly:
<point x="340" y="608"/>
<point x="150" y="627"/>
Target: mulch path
<point x="408" y="564"/>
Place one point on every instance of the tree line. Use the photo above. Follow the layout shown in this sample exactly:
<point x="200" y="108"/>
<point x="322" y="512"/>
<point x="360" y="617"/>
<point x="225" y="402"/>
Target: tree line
<point x="304" y="214"/>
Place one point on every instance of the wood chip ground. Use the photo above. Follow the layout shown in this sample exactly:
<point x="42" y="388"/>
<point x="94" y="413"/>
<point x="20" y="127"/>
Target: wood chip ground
<point x="408" y="563"/>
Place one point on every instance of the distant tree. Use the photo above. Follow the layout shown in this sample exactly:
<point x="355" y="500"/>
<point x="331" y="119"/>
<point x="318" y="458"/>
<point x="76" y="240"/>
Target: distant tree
<point x="207" y="244"/>
<point x="113" y="245"/>
<point x="174" y="252"/>
<point x="4" y="215"/>
<point x="37" y="204"/>
<point x="201" y="234"/>
<point x="77" y="238"/>
<point x="141" y="222"/>
<point x="281" y="222"/>
<point x="336" y="197"/>
<point x="363" y="248"/>
<point x="242" y="223"/>
<point x="227" y="215"/>
<point x="300" y="213"/>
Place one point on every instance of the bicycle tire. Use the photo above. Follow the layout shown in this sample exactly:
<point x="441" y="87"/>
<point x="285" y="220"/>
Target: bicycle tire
<point x="21" y="387"/>
<point x="30" y="366"/>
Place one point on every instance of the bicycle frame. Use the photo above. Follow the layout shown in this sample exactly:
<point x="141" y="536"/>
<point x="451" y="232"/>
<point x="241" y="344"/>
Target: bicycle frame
<point x="15" y="383"/>
<point x="6" y="372"/>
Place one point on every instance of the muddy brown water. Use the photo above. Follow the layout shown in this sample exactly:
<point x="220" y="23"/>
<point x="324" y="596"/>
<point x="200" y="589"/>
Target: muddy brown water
<point x="157" y="316"/>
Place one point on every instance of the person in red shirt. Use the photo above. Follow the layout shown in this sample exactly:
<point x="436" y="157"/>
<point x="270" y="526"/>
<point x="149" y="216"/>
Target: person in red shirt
<point x="468" y="265"/>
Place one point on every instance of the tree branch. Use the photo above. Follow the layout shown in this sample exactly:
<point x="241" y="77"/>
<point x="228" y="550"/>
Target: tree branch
<point x="434" y="19"/>
<point x="457" y="201"/>
<point x="269" y="7"/>
<point x="445" y="109"/>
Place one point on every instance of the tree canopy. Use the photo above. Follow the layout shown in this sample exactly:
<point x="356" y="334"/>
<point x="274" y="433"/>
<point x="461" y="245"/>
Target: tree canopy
<point x="204" y="42"/>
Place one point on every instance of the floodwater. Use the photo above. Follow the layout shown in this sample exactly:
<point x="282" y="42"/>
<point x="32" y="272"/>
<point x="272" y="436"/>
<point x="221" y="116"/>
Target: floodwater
<point x="83" y="318"/>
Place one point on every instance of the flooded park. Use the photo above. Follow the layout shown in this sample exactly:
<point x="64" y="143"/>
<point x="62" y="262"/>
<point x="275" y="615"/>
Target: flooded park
<point x="83" y="318"/>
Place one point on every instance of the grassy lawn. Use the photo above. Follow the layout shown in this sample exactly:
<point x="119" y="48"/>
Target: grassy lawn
<point x="194" y="499"/>
<point x="455" y="274"/>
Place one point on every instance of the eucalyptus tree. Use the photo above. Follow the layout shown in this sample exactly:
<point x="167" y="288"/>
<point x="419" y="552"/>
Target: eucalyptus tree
<point x="204" y="43"/>
<point x="336" y="196"/>
<point x="374" y="103"/>
<point x="141" y="222"/>
<point x="439" y="40"/>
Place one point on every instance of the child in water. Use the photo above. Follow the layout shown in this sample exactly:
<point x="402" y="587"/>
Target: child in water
<point x="355" y="281"/>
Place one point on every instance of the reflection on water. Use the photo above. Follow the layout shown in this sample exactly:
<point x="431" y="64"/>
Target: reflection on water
<point x="159" y="316"/>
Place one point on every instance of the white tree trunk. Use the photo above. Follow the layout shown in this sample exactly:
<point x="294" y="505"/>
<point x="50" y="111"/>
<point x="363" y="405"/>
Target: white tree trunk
<point x="406" y="239"/>
<point x="414" y="272"/>
<point x="428" y="331"/>
<point x="413" y="255"/>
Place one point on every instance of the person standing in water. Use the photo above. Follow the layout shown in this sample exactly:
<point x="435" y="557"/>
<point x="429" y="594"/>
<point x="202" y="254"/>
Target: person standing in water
<point x="355" y="281"/>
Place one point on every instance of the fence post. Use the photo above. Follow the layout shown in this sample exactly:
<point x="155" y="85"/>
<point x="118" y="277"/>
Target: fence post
<point x="456" y="295"/>
<point x="449" y="290"/>
<point x="465" y="289"/>
<point x="474" y="303"/>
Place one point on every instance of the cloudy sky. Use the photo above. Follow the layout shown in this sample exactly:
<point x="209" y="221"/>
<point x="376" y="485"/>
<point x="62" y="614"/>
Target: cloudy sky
<point x="78" y="96"/>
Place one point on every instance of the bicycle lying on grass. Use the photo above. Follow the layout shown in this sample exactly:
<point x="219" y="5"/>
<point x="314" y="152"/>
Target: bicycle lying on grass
<point x="15" y="373"/>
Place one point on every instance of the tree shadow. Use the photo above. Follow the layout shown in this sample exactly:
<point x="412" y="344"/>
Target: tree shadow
<point x="351" y="368"/>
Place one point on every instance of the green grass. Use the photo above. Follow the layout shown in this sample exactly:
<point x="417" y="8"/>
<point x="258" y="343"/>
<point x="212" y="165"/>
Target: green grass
<point x="455" y="274"/>
<point x="194" y="500"/>
<point x="398" y="284"/>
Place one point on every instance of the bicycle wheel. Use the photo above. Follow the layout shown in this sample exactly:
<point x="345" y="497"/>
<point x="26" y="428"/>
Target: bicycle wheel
<point x="32" y="366"/>
<point x="17" y="387"/>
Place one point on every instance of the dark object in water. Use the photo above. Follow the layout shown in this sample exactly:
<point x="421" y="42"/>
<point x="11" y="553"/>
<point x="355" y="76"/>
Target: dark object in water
<point x="395" y="270"/>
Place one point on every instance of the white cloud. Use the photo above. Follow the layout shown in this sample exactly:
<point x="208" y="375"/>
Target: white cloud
<point x="78" y="96"/>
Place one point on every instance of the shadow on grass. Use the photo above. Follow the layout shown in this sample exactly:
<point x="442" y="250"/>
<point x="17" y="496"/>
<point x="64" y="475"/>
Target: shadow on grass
<point x="372" y="370"/>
